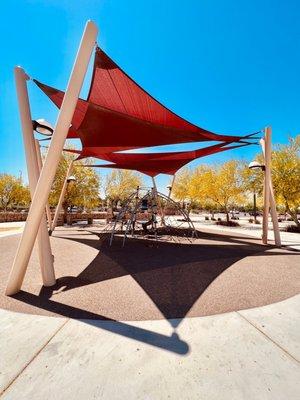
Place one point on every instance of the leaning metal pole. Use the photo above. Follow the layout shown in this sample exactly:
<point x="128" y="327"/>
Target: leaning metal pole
<point x="266" y="143"/>
<point x="162" y="213"/>
<point x="43" y="187"/>
<point x="44" y="247"/>
<point x="172" y="185"/>
<point x="40" y="163"/>
<point x="61" y="198"/>
<point x="267" y="175"/>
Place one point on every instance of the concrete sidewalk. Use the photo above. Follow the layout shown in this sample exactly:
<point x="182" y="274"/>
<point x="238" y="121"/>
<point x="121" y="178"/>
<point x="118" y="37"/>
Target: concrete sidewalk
<point x="289" y="240"/>
<point x="251" y="354"/>
<point x="11" y="228"/>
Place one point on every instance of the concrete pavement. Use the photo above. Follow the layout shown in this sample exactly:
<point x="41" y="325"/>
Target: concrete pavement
<point x="251" y="354"/>
<point x="288" y="239"/>
<point x="11" y="228"/>
<point x="146" y="280"/>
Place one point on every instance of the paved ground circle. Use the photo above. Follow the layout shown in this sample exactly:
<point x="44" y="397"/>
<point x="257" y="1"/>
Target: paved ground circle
<point x="147" y="280"/>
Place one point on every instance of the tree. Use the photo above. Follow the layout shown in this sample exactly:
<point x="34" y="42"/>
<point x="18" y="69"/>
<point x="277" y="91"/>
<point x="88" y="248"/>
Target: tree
<point x="198" y="187"/>
<point x="286" y="176"/>
<point x="85" y="190"/>
<point x="120" y="184"/>
<point x="182" y="185"/>
<point x="183" y="188"/>
<point x="13" y="192"/>
<point x="221" y="185"/>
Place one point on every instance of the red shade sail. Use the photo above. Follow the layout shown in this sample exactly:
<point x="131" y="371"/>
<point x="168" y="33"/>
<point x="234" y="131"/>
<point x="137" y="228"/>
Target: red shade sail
<point x="153" y="164"/>
<point x="120" y="115"/>
<point x="112" y="88"/>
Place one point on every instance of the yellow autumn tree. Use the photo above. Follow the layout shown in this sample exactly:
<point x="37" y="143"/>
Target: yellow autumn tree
<point x="120" y="184"/>
<point x="198" y="187"/>
<point x="221" y="185"/>
<point x="286" y="176"/>
<point x="84" y="193"/>
<point x="13" y="192"/>
<point x="182" y="189"/>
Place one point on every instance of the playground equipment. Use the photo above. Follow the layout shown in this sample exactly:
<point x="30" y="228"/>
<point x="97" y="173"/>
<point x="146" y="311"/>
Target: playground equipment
<point x="118" y="115"/>
<point x="140" y="217"/>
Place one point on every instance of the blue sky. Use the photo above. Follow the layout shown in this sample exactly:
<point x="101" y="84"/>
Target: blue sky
<point x="231" y="67"/>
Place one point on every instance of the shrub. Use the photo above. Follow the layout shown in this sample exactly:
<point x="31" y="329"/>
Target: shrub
<point x="225" y="223"/>
<point x="293" y="228"/>
<point x="252" y="221"/>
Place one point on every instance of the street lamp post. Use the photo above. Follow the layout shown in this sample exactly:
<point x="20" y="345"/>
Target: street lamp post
<point x="68" y="179"/>
<point x="254" y="207"/>
<point x="255" y="165"/>
<point x="40" y="165"/>
<point x="70" y="182"/>
<point x="269" y="200"/>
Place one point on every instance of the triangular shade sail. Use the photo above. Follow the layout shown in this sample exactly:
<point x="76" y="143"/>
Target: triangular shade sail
<point x="112" y="88"/>
<point x="153" y="164"/>
<point x="120" y="115"/>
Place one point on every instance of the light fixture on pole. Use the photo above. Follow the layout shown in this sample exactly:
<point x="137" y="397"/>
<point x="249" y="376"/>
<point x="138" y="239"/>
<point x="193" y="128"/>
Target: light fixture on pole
<point x="256" y="165"/>
<point x="43" y="127"/>
<point x="71" y="179"/>
<point x="70" y="183"/>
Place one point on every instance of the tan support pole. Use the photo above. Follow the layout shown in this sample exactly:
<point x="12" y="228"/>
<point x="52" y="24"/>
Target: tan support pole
<point x="61" y="197"/>
<point x="40" y="163"/>
<point x="267" y="149"/>
<point x="171" y="187"/>
<point x="53" y="156"/>
<point x="43" y="241"/>
<point x="267" y="174"/>
<point x="159" y="202"/>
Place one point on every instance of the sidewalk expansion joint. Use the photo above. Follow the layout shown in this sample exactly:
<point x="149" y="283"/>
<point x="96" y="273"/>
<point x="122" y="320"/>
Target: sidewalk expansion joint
<point x="269" y="338"/>
<point x="33" y="358"/>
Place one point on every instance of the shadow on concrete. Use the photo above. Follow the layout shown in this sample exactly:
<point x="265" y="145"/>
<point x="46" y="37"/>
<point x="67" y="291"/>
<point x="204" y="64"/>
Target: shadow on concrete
<point x="173" y="275"/>
<point x="171" y="343"/>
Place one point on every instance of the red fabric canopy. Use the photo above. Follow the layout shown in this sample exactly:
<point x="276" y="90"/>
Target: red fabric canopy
<point x="153" y="164"/>
<point x="112" y="88"/>
<point x="120" y="115"/>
